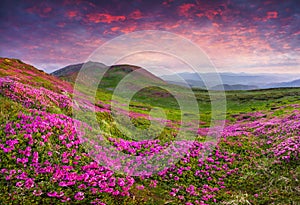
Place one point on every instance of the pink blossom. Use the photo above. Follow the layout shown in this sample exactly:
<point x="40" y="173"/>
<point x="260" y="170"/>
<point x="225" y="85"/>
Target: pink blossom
<point x="79" y="196"/>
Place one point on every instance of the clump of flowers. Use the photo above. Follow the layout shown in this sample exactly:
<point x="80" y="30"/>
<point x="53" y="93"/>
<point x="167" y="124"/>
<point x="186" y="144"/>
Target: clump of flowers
<point x="32" y="97"/>
<point x="49" y="161"/>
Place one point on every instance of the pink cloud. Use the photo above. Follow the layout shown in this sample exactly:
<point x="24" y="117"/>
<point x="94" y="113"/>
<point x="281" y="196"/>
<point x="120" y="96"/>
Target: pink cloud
<point x="116" y="28"/>
<point x="129" y="29"/>
<point x="272" y="15"/>
<point x="103" y="18"/>
<point x="201" y="10"/>
<point x="269" y="15"/>
<point x="183" y="10"/>
<point x="170" y="26"/>
<point x="216" y="25"/>
<point x="137" y="14"/>
<point x="126" y="29"/>
<point x="72" y="14"/>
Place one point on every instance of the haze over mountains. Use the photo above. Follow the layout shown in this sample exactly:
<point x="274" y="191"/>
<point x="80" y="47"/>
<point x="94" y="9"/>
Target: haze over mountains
<point x="236" y="81"/>
<point x="230" y="81"/>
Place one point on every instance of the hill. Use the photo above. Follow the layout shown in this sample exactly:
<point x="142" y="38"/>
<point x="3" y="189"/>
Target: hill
<point x="111" y="78"/>
<point x="48" y="157"/>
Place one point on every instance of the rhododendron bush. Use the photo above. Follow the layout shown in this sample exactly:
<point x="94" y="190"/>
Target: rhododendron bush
<point x="32" y="97"/>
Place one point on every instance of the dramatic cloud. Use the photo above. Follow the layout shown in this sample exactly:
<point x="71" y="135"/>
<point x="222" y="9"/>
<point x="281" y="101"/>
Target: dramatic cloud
<point x="238" y="36"/>
<point x="184" y="9"/>
<point x="103" y="18"/>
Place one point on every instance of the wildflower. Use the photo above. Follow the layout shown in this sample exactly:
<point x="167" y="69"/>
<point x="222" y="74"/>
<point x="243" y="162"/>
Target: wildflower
<point x="52" y="194"/>
<point x="153" y="183"/>
<point x="19" y="184"/>
<point x="79" y="196"/>
<point x="140" y="187"/>
<point x="37" y="192"/>
<point x="29" y="183"/>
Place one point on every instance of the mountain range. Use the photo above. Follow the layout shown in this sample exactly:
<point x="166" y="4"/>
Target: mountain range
<point x="226" y="81"/>
<point x="233" y="81"/>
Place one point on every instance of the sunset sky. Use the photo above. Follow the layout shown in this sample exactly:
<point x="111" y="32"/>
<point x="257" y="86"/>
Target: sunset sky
<point x="237" y="35"/>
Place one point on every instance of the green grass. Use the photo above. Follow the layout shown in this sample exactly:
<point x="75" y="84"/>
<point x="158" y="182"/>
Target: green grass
<point x="8" y="109"/>
<point x="237" y="102"/>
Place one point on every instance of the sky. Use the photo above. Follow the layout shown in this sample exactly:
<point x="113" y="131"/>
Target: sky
<point x="237" y="35"/>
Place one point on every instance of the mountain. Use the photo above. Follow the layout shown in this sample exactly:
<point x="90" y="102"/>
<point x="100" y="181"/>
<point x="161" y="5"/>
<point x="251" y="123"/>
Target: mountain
<point x="234" y="87"/>
<point x="234" y="81"/>
<point x="70" y="72"/>
<point x="294" y="83"/>
<point x="111" y="78"/>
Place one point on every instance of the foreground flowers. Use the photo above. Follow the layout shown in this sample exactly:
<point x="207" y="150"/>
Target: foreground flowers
<point x="46" y="159"/>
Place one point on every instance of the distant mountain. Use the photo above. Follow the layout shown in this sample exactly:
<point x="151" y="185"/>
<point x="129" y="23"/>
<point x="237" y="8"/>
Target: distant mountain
<point x="232" y="81"/>
<point x="234" y="87"/>
<point x="294" y="83"/>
